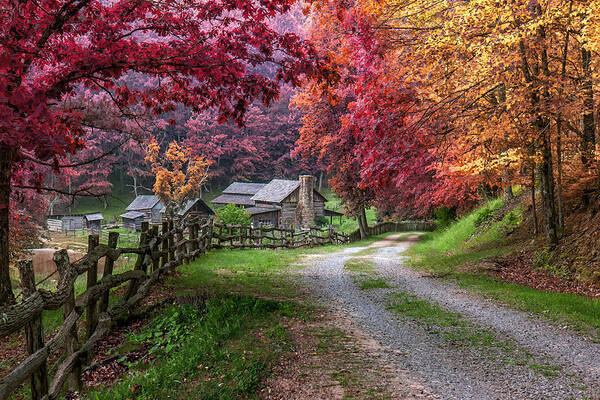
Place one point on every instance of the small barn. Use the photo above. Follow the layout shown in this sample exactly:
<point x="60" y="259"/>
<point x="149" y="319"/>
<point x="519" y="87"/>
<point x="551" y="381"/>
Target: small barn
<point x="265" y="216"/>
<point x="195" y="208"/>
<point x="239" y="193"/>
<point x="149" y="205"/>
<point x="132" y="220"/>
<point x="72" y="222"/>
<point x="93" y="221"/>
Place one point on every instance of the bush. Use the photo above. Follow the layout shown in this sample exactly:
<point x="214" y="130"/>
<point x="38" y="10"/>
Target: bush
<point x="444" y="216"/>
<point x="233" y="215"/>
<point x="322" y="221"/>
<point x="484" y="216"/>
<point x="541" y="259"/>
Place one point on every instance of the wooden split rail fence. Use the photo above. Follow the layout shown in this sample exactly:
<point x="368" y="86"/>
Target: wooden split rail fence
<point x="157" y="253"/>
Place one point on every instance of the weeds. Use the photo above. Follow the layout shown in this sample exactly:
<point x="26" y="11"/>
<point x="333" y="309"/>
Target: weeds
<point x="209" y="351"/>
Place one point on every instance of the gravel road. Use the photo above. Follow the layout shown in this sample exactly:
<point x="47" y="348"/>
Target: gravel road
<point x="541" y="361"/>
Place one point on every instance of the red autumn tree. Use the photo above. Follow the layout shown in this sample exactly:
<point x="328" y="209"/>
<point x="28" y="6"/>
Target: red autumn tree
<point x="200" y="51"/>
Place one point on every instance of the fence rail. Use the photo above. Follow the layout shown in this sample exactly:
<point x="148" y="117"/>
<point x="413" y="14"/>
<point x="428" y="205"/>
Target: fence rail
<point x="157" y="253"/>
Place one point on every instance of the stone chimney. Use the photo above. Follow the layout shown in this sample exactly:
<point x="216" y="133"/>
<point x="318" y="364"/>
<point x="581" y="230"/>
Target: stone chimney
<point x="305" y="213"/>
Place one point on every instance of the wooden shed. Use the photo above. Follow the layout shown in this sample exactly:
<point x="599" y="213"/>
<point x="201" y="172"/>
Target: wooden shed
<point x="194" y="208"/>
<point x="149" y="205"/>
<point x="72" y="222"/>
<point x="264" y="216"/>
<point x="132" y="220"/>
<point x="93" y="221"/>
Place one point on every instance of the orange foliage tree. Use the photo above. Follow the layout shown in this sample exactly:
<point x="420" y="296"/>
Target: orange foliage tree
<point x="179" y="172"/>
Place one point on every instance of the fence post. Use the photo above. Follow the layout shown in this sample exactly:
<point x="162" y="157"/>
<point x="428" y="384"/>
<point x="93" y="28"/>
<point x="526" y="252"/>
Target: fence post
<point x="182" y="247"/>
<point x="71" y="342"/>
<point x="139" y="262"/>
<point x="164" y="243"/>
<point x="155" y="251"/>
<point x="109" y="263"/>
<point x="209" y="235"/>
<point x="92" y="278"/>
<point x="171" y="241"/>
<point x="193" y="239"/>
<point x="34" y="332"/>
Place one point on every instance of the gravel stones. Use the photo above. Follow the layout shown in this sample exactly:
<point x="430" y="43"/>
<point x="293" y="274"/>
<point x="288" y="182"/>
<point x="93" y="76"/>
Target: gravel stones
<point x="446" y="370"/>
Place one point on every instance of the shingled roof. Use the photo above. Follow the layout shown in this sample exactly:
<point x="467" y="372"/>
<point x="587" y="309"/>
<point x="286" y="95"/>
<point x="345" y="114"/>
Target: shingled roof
<point x="132" y="215"/>
<point x="262" y="210"/>
<point x="276" y="191"/>
<point x="239" y="199"/>
<point x="143" y="202"/>
<point x="94" y="217"/>
<point x="245" y="188"/>
<point x="190" y="203"/>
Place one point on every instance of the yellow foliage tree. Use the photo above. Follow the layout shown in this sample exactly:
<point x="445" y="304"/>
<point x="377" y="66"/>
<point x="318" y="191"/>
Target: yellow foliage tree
<point x="179" y="174"/>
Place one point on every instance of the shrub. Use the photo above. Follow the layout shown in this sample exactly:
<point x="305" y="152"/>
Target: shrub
<point x="233" y="215"/>
<point x="321" y="221"/>
<point x="483" y="216"/>
<point x="444" y="216"/>
<point x="541" y="259"/>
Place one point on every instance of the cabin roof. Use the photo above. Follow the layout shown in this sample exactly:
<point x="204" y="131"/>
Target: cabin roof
<point x="132" y="215"/>
<point x="94" y="217"/>
<point x="276" y="191"/>
<point x="243" y="200"/>
<point x="246" y="188"/>
<point x="143" y="202"/>
<point x="190" y="203"/>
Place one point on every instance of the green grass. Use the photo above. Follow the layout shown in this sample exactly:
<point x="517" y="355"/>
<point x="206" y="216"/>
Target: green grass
<point x="455" y="331"/>
<point x="219" y="355"/>
<point x="357" y="264"/>
<point x="476" y="236"/>
<point x="373" y="283"/>
<point x="428" y="313"/>
<point x="347" y="225"/>
<point x="118" y="200"/>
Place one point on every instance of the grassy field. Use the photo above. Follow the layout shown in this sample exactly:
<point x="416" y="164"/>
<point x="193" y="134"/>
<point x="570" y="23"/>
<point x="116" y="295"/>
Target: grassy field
<point x="478" y="235"/>
<point x="118" y="200"/>
<point x="347" y="224"/>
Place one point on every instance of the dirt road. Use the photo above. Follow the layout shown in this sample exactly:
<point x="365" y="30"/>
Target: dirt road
<point x="445" y="343"/>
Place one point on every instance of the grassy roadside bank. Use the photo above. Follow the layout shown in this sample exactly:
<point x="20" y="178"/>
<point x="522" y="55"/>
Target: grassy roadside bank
<point x="455" y="252"/>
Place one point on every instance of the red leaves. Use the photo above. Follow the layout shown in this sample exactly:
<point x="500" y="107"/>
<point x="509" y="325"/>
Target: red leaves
<point x="198" y="49"/>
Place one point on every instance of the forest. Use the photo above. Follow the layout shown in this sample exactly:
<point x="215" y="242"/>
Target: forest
<point x="482" y="111"/>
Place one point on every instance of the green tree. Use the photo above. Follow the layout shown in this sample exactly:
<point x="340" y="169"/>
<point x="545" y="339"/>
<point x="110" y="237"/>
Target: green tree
<point x="233" y="215"/>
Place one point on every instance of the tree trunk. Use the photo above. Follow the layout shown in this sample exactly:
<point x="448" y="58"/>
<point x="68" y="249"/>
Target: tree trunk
<point x="561" y="212"/>
<point x="320" y="181"/>
<point x="6" y="160"/>
<point x="508" y="192"/>
<point x="547" y="191"/>
<point x="135" y="186"/>
<point x="588" y="144"/>
<point x="533" y="206"/>
<point x="362" y="224"/>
